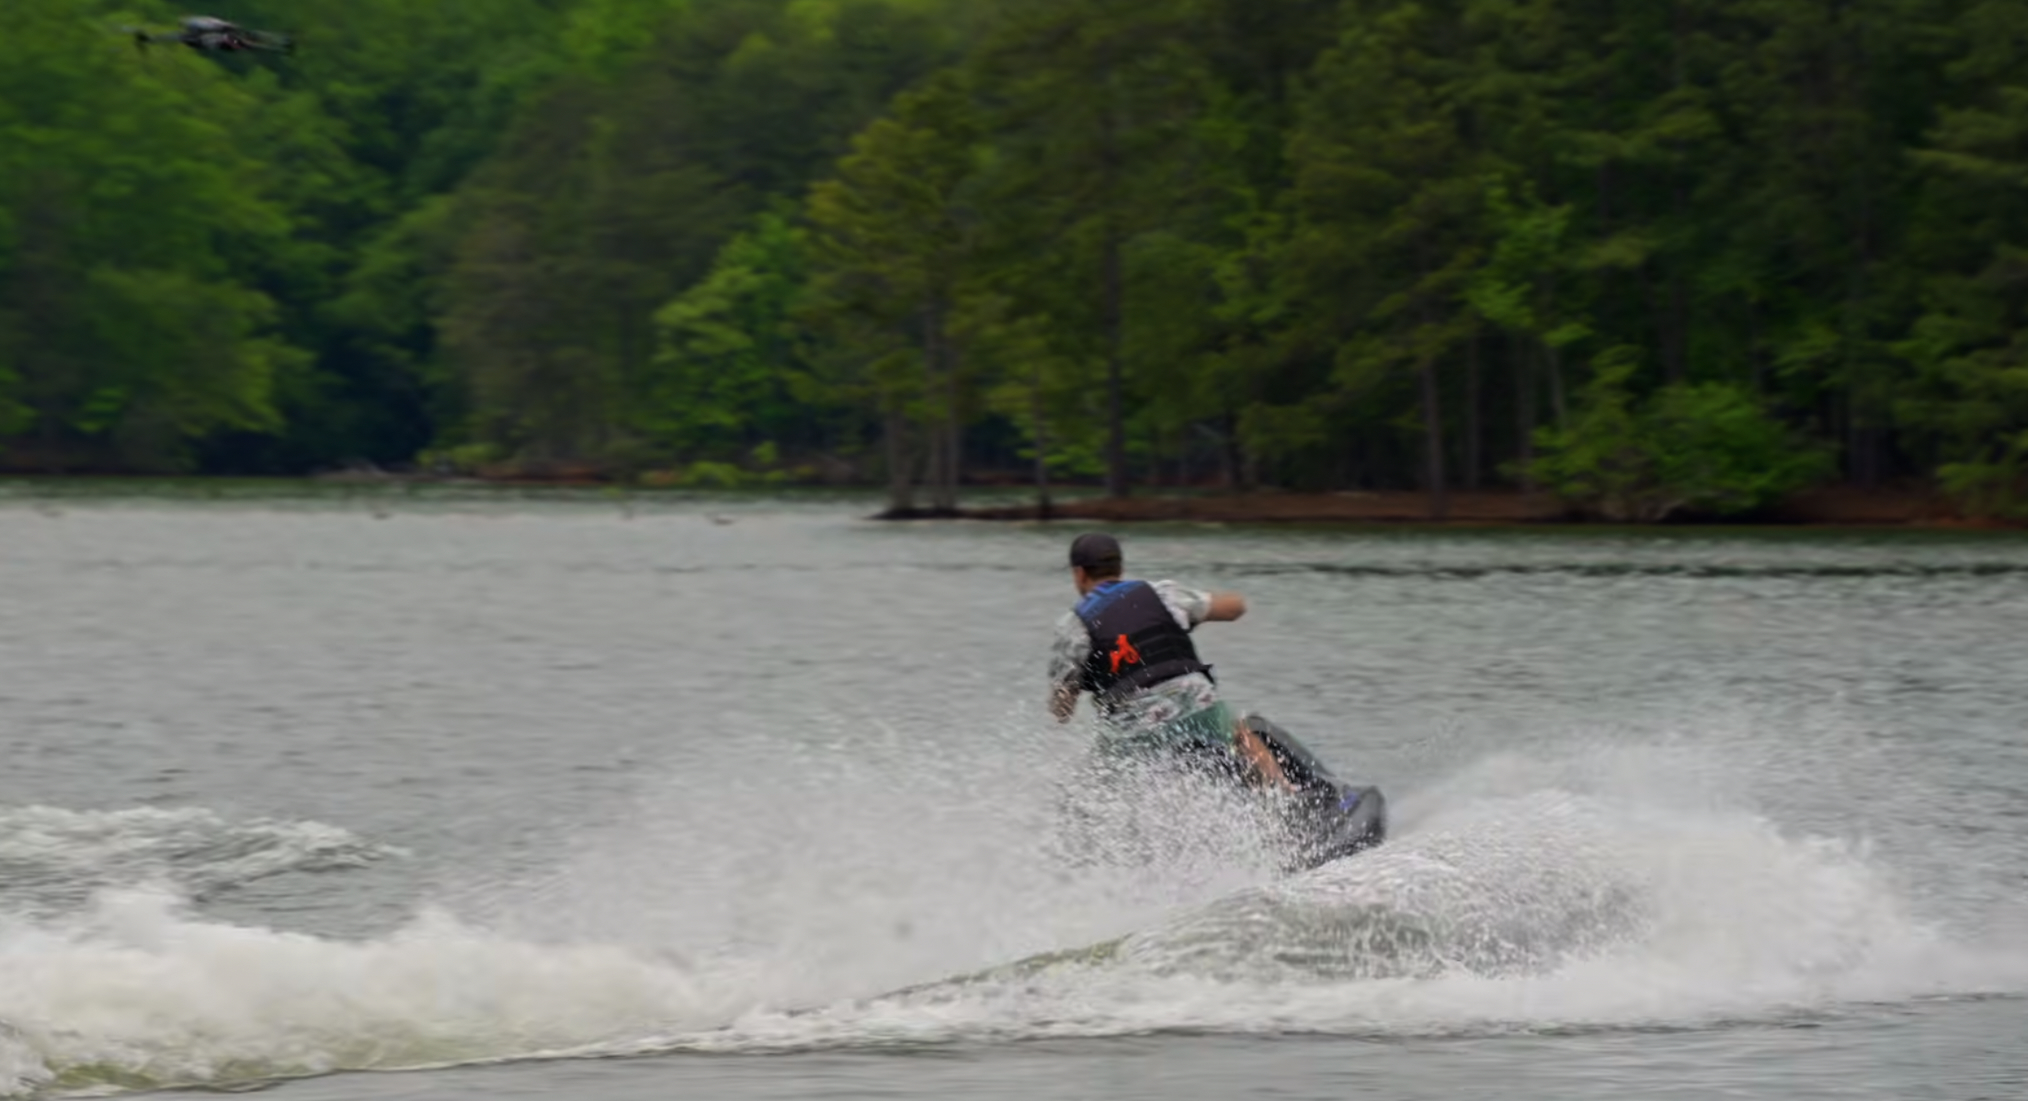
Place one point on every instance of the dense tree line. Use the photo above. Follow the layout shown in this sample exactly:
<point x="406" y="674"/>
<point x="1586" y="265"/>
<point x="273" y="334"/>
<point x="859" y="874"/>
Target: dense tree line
<point x="1653" y="255"/>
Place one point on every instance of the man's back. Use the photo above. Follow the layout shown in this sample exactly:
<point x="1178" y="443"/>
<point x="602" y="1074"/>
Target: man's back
<point x="1148" y="708"/>
<point x="1152" y="690"/>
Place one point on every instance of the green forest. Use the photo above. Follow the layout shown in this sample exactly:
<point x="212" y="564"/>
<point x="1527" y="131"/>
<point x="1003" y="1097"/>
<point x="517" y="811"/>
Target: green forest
<point x="1653" y="255"/>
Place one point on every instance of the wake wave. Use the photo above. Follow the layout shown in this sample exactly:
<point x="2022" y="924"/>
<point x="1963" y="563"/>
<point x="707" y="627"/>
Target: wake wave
<point x="1553" y="912"/>
<point x="1524" y="886"/>
<point x="52" y="859"/>
<point x="133" y="993"/>
<point x="1511" y="898"/>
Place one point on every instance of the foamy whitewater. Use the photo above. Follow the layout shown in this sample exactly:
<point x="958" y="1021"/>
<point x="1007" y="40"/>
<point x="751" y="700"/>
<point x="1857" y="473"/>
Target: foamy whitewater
<point x="50" y="857"/>
<point x="1491" y="910"/>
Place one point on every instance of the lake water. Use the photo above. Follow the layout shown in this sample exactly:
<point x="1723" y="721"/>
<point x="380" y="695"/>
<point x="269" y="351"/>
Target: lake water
<point x="575" y="795"/>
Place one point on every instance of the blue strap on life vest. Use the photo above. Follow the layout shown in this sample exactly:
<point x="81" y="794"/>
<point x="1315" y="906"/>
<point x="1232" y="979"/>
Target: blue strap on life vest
<point x="1100" y="598"/>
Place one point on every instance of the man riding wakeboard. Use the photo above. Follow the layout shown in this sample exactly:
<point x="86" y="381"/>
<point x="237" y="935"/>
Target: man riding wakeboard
<point x="1127" y="642"/>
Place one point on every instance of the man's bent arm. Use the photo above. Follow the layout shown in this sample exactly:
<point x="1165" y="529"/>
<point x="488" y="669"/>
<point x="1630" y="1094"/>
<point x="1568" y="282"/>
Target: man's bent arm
<point x="1225" y="607"/>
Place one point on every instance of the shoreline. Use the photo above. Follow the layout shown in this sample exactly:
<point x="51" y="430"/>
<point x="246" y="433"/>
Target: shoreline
<point x="1902" y="507"/>
<point x="1835" y="507"/>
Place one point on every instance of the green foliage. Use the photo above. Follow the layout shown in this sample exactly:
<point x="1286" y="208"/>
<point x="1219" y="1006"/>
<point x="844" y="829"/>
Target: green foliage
<point x="128" y="325"/>
<point x="732" y="374"/>
<point x="893" y="243"/>
<point x="613" y="196"/>
<point x="1707" y="448"/>
<point x="1516" y="287"/>
<point x="1374" y="243"/>
<point x="466" y="459"/>
<point x="710" y="474"/>
<point x="1994" y="487"/>
<point x="14" y="416"/>
<point x="1039" y="390"/>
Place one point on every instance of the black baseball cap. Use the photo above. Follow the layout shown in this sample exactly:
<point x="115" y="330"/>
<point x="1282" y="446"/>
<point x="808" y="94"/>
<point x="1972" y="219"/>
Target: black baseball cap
<point x="1094" y="549"/>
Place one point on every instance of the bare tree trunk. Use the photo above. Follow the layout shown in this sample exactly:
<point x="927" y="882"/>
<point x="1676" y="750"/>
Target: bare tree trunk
<point x="1524" y="415"/>
<point x="936" y="412"/>
<point x="954" y="423"/>
<point x="1433" y="442"/>
<point x="1551" y="354"/>
<point x="1676" y="353"/>
<point x="1867" y="460"/>
<point x="1432" y="428"/>
<point x="1042" y="504"/>
<point x="1113" y="303"/>
<point x="1474" y="441"/>
<point x="1605" y="197"/>
<point x="1116" y="424"/>
<point x="932" y="437"/>
<point x="900" y="487"/>
<point x="1554" y="355"/>
<point x="1753" y="356"/>
<point x="1676" y="345"/>
<point x="1235" y="462"/>
<point x="1861" y="440"/>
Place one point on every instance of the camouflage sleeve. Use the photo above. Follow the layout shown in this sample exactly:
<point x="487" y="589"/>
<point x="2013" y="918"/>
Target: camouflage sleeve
<point x="1068" y="651"/>
<point x="1190" y="606"/>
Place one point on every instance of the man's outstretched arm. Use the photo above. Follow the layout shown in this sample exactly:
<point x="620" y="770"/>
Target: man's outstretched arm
<point x="1225" y="607"/>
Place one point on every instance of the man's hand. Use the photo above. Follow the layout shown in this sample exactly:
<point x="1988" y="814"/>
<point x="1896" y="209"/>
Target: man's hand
<point x="1225" y="607"/>
<point x="1063" y="702"/>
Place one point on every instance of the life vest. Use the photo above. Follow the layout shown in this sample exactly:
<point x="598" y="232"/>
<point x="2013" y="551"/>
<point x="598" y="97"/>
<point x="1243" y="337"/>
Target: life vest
<point x="1135" y="641"/>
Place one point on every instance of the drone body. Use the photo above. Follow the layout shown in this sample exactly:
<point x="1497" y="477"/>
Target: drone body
<point x="214" y="35"/>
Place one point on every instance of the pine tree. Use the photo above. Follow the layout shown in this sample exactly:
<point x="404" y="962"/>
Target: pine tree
<point x="1389" y="188"/>
<point x="893" y="241"/>
<point x="1093" y="105"/>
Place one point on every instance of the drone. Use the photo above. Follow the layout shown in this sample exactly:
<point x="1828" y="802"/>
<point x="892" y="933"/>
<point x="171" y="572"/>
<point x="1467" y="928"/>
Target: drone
<point x="214" y="35"/>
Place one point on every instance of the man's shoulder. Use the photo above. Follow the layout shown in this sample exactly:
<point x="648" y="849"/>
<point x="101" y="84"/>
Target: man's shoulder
<point x="1071" y="632"/>
<point x="1166" y="588"/>
<point x="1193" y="603"/>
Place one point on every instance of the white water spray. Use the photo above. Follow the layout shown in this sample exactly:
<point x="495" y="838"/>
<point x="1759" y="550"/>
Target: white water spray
<point x="1512" y="899"/>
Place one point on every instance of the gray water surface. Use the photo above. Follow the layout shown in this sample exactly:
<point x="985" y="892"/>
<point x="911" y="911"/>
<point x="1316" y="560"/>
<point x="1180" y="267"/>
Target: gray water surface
<point x="575" y="795"/>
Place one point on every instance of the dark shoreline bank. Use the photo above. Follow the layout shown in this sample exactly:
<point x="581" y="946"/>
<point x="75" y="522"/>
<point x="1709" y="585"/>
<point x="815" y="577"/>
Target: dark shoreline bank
<point x="1836" y="507"/>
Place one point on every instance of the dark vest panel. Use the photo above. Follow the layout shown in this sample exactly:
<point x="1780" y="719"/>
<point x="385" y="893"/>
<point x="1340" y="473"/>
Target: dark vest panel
<point x="1135" y="642"/>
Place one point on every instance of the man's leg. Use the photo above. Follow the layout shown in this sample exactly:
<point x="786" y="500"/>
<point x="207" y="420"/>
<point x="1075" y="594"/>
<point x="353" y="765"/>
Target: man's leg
<point x="1213" y="737"/>
<point x="1256" y="753"/>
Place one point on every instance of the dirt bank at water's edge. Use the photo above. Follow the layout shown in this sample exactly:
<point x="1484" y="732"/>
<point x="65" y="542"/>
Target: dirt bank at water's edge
<point x="1835" y="506"/>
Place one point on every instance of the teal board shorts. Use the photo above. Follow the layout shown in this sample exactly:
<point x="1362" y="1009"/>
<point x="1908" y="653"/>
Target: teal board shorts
<point x="1203" y="730"/>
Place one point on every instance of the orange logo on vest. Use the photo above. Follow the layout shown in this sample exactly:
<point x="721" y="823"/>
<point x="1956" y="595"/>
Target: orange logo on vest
<point x="1124" y="652"/>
